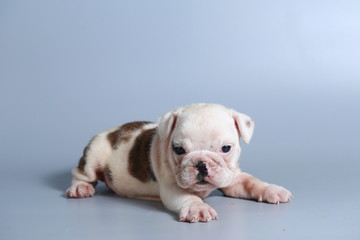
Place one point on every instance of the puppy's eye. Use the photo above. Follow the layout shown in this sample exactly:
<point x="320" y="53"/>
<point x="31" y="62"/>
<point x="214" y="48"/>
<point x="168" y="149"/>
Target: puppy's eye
<point x="226" y="148"/>
<point x="178" y="150"/>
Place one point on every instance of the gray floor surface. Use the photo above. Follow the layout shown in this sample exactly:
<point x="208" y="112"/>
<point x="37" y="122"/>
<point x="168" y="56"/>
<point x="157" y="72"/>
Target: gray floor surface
<point x="326" y="206"/>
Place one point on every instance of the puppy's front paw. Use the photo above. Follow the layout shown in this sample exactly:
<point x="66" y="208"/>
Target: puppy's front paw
<point x="80" y="191"/>
<point x="275" y="194"/>
<point x="197" y="212"/>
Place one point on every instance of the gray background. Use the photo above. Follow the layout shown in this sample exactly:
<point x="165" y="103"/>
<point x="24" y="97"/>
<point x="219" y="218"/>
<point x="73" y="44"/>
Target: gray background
<point x="69" y="69"/>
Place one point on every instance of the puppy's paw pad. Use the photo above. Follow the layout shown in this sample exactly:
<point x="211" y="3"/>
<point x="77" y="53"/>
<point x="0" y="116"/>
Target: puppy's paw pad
<point x="200" y="212"/>
<point x="276" y="194"/>
<point x="80" y="191"/>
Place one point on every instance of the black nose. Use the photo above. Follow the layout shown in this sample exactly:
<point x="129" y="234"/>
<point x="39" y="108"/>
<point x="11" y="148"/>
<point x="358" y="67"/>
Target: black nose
<point x="203" y="172"/>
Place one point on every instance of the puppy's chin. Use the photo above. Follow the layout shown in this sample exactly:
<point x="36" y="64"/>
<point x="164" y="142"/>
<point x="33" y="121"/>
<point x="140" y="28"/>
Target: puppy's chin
<point x="198" y="187"/>
<point x="203" y="186"/>
<point x="207" y="184"/>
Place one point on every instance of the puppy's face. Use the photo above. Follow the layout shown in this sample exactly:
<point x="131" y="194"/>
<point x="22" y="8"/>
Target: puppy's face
<point x="203" y="147"/>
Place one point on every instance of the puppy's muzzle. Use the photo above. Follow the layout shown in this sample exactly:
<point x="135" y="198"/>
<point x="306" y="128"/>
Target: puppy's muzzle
<point x="202" y="172"/>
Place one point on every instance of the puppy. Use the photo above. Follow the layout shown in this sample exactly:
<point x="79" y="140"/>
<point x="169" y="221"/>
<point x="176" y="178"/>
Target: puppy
<point x="189" y="153"/>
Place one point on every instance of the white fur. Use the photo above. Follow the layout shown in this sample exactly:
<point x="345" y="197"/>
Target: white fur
<point x="202" y="130"/>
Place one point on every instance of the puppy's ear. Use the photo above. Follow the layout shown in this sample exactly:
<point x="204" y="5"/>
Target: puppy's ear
<point x="245" y="126"/>
<point x="167" y="123"/>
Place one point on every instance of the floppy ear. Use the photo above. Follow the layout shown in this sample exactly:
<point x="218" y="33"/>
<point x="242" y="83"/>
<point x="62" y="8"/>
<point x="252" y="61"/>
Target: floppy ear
<point x="245" y="126"/>
<point x="167" y="123"/>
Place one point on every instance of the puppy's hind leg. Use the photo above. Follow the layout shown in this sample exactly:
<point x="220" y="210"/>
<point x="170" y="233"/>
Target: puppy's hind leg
<point x="85" y="176"/>
<point x="80" y="188"/>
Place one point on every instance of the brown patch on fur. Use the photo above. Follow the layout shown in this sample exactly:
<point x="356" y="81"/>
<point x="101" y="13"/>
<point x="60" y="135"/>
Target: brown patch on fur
<point x="113" y="138"/>
<point x="82" y="161"/>
<point x="100" y="175"/>
<point x="124" y="133"/>
<point x="132" y="126"/>
<point x="157" y="151"/>
<point x="105" y="175"/>
<point x="108" y="174"/>
<point x="248" y="124"/>
<point x="139" y="157"/>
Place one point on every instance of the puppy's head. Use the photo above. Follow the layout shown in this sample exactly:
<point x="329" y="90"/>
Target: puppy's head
<point x="202" y="142"/>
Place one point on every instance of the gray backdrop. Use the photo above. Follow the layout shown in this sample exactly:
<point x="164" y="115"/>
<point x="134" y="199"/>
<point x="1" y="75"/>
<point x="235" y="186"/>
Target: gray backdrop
<point x="69" y="69"/>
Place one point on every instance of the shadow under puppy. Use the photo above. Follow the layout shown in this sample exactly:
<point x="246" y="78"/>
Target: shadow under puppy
<point x="190" y="152"/>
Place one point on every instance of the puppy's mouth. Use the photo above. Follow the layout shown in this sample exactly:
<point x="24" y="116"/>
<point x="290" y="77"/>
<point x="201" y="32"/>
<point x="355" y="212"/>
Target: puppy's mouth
<point x="202" y="182"/>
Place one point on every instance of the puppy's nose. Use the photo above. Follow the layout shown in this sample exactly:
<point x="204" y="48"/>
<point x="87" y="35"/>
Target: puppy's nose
<point x="203" y="172"/>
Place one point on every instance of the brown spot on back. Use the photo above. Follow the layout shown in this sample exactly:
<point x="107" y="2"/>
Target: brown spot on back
<point x="132" y="126"/>
<point x="113" y="138"/>
<point x="124" y="132"/>
<point x="157" y="152"/>
<point x="139" y="157"/>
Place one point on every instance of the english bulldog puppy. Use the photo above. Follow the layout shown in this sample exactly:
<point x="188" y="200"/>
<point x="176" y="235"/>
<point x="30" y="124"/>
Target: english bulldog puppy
<point x="180" y="160"/>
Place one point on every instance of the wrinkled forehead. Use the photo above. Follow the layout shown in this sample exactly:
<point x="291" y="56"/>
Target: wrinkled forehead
<point x="214" y="126"/>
